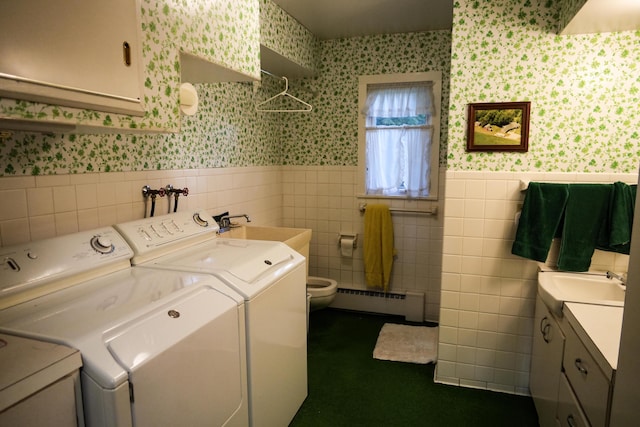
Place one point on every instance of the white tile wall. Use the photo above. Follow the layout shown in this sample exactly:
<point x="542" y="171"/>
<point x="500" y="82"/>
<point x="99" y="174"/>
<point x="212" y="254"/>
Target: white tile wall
<point x="45" y="206"/>
<point x="461" y="259"/>
<point x="321" y="198"/>
<point x="324" y="198"/>
<point x="488" y="295"/>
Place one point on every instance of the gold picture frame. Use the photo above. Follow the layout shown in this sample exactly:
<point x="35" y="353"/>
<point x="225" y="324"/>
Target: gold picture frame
<point x="498" y="126"/>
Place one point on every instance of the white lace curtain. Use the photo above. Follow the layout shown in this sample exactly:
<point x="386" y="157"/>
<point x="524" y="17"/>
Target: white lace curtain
<point x="400" y="100"/>
<point x="398" y="157"/>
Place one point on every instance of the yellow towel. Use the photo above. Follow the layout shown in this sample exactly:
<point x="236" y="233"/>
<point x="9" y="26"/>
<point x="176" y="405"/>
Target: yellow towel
<point x="378" y="246"/>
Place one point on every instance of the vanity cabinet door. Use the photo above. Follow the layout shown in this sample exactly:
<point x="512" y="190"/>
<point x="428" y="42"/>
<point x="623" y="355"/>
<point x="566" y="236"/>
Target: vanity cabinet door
<point x="546" y="364"/>
<point x="77" y="53"/>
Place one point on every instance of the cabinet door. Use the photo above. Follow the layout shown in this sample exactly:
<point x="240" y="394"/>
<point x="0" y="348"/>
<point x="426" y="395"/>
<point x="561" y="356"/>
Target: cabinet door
<point x="546" y="364"/>
<point x="78" y="53"/>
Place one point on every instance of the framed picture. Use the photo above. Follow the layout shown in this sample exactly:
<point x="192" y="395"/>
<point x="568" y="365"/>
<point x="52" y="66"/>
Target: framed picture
<point x="498" y="126"/>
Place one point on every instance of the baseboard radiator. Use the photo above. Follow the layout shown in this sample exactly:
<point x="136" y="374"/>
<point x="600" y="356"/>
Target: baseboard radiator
<point x="404" y="303"/>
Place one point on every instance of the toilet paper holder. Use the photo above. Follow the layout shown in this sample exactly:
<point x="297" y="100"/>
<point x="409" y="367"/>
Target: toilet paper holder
<point x="348" y="236"/>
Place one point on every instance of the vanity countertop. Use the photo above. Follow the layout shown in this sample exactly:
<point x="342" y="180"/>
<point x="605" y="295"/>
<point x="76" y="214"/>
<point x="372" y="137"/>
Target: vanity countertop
<point x="599" y="328"/>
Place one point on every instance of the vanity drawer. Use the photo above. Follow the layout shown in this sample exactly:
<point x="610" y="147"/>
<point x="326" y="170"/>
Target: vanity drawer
<point x="589" y="383"/>
<point x="569" y="412"/>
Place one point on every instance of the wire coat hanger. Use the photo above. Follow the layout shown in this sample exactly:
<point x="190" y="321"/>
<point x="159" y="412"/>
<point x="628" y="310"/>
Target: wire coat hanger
<point x="284" y="93"/>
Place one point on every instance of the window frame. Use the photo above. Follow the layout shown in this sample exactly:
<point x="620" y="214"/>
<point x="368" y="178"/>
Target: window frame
<point x="435" y="77"/>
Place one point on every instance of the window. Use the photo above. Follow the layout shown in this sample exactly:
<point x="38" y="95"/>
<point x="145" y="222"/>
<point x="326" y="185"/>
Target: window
<point x="399" y="134"/>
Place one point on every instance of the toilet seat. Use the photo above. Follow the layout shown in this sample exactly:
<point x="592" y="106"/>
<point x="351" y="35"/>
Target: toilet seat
<point x="322" y="291"/>
<point x="321" y="286"/>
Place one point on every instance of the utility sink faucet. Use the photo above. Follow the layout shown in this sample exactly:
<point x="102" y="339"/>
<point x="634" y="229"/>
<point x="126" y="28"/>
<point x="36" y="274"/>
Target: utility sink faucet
<point x="621" y="277"/>
<point x="225" y="221"/>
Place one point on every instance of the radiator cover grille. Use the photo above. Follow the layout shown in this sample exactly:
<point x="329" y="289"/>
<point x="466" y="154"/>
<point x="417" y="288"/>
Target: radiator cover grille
<point x="407" y="304"/>
<point x="377" y="294"/>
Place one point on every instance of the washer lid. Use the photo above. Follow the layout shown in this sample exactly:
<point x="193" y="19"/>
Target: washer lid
<point x="248" y="265"/>
<point x="134" y="342"/>
<point x="247" y="260"/>
<point x="80" y="316"/>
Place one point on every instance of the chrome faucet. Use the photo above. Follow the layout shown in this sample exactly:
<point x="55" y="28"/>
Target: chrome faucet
<point x="621" y="277"/>
<point x="225" y="221"/>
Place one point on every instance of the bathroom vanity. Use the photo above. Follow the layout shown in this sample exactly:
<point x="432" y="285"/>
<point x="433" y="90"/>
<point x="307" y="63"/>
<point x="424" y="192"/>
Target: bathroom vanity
<point x="574" y="360"/>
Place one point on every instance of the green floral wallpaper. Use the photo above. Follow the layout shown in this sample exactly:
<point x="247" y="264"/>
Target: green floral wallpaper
<point x="567" y="10"/>
<point x="584" y="89"/>
<point x="329" y="134"/>
<point x="283" y="34"/>
<point x="226" y="131"/>
<point x="224" y="31"/>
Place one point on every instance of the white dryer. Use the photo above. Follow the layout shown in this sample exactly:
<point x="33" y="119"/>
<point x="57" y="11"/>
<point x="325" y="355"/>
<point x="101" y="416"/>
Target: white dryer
<point x="158" y="347"/>
<point x="272" y="279"/>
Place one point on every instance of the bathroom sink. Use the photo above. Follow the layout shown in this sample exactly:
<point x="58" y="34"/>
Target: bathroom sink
<point x="296" y="238"/>
<point x="556" y="288"/>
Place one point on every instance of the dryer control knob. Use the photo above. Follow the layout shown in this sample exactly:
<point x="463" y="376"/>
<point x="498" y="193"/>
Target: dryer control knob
<point x="102" y="244"/>
<point x="199" y="220"/>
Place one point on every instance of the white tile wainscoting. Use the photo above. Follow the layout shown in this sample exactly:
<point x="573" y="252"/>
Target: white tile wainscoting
<point x="324" y="198"/>
<point x="38" y="207"/>
<point x="461" y="259"/>
<point x="488" y="294"/>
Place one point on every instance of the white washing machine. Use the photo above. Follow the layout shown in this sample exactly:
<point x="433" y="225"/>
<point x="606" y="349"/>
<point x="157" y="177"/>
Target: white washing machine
<point x="158" y="347"/>
<point x="272" y="279"/>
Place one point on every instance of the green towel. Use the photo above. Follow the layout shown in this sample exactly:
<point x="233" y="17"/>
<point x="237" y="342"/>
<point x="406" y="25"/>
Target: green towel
<point x="585" y="216"/>
<point x="541" y="216"/>
<point x="615" y="234"/>
<point x="586" y="211"/>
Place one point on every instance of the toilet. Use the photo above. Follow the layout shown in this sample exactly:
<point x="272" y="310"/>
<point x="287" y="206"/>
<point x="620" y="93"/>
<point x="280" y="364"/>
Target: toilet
<point x="322" y="292"/>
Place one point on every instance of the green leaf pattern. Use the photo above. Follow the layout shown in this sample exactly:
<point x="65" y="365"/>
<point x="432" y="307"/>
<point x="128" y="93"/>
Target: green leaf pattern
<point x="283" y="34"/>
<point x="583" y="88"/>
<point x="169" y="26"/>
<point x="584" y="93"/>
<point x="329" y="134"/>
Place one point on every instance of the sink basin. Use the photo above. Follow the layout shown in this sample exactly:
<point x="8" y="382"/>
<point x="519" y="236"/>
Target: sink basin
<point x="556" y="288"/>
<point x="296" y="238"/>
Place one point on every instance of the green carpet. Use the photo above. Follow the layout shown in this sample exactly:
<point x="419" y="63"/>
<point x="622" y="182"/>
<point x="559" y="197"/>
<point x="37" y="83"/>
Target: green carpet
<point x="348" y="387"/>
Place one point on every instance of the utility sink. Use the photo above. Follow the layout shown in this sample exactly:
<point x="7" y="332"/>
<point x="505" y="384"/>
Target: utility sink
<point x="296" y="238"/>
<point x="556" y="288"/>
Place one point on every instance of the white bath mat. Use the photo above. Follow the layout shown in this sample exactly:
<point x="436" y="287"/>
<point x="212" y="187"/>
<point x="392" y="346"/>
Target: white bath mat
<point x="406" y="343"/>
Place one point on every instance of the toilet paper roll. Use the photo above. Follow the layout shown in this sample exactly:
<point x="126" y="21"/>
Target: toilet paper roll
<point x="346" y="246"/>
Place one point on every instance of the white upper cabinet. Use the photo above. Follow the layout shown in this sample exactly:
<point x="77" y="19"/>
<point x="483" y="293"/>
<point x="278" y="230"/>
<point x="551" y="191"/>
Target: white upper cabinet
<point x="76" y="53"/>
<point x="599" y="16"/>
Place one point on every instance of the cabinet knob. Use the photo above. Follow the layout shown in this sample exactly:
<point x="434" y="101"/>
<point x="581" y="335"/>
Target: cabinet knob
<point x="571" y="422"/>
<point x="580" y="367"/>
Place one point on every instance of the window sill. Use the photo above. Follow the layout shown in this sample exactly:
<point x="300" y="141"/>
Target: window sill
<point x="399" y="197"/>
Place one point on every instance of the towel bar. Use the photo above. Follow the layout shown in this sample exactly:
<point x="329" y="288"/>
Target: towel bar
<point x="432" y="211"/>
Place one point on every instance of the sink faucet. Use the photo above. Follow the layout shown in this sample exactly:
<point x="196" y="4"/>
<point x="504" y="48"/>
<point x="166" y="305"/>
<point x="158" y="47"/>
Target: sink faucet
<point x="225" y="221"/>
<point x="621" y="277"/>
